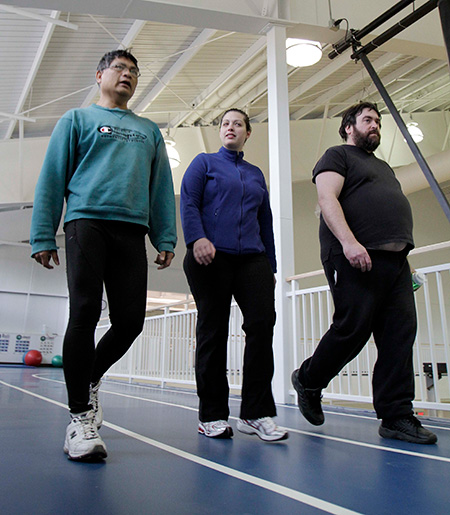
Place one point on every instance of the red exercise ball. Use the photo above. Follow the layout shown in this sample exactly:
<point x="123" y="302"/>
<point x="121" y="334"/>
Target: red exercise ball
<point x="33" y="358"/>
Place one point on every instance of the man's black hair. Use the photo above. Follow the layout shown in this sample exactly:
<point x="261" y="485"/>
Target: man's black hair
<point x="350" y="115"/>
<point x="108" y="58"/>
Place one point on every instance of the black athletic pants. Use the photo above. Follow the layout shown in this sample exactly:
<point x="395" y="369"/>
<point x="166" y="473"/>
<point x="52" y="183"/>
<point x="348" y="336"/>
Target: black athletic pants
<point x="380" y="302"/>
<point x="101" y="252"/>
<point x="249" y="278"/>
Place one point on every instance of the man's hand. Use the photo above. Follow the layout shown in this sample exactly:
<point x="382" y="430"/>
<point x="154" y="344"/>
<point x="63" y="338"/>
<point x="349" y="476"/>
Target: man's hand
<point x="45" y="256"/>
<point x="358" y="256"/>
<point x="163" y="259"/>
<point x="204" y="251"/>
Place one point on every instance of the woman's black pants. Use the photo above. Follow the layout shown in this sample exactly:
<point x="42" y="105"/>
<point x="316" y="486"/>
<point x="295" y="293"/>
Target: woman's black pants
<point x="249" y="278"/>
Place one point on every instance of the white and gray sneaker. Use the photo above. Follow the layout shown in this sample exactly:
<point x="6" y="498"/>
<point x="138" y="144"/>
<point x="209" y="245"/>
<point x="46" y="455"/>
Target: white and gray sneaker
<point x="264" y="427"/>
<point x="215" y="429"/>
<point x="95" y="403"/>
<point x="82" y="439"/>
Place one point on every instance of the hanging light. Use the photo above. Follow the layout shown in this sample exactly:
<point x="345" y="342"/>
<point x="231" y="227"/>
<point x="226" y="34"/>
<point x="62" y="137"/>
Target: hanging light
<point x="414" y="130"/>
<point x="172" y="152"/>
<point x="302" y="52"/>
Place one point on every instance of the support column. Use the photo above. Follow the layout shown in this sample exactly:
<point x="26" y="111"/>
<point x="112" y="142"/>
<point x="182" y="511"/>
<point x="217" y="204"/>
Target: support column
<point x="281" y="202"/>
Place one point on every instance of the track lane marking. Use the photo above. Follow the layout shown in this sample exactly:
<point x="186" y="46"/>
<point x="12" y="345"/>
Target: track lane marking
<point x="298" y="431"/>
<point x="290" y="493"/>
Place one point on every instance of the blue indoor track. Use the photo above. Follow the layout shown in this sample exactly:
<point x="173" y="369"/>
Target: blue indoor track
<point x="159" y="464"/>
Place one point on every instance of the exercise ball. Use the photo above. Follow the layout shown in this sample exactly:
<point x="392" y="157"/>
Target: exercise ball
<point x="57" y="361"/>
<point x="33" y="358"/>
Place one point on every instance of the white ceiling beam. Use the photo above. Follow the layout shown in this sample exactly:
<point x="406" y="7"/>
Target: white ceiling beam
<point x="254" y="94"/>
<point x="408" y="94"/>
<point x="49" y="29"/>
<point x="439" y="104"/>
<point x="247" y="57"/>
<point x="420" y="78"/>
<point x="346" y="84"/>
<point x="427" y="95"/>
<point x="232" y="16"/>
<point x="35" y="16"/>
<point x="127" y="42"/>
<point x="17" y="117"/>
<point x="235" y="97"/>
<point x="387" y="80"/>
<point x="181" y="62"/>
<point x="228" y="87"/>
<point x="310" y="83"/>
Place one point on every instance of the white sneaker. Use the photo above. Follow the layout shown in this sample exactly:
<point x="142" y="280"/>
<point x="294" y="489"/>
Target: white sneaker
<point x="265" y="428"/>
<point x="82" y="439"/>
<point x="215" y="429"/>
<point x="95" y="404"/>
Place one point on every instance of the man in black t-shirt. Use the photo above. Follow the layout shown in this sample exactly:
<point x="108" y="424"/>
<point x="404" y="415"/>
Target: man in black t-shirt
<point x="365" y="235"/>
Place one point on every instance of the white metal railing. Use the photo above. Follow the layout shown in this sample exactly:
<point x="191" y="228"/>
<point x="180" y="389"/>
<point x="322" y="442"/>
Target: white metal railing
<point x="165" y="351"/>
<point x="312" y="310"/>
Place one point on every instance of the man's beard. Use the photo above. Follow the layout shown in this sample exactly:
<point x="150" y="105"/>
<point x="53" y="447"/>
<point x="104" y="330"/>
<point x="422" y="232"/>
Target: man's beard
<point x="366" y="142"/>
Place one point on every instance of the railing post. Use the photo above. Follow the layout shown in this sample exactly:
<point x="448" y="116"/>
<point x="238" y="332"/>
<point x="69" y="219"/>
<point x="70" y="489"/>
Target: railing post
<point x="164" y="344"/>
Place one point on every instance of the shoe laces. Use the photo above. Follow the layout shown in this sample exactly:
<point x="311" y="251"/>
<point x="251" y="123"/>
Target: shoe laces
<point x="411" y="419"/>
<point x="95" y="387"/>
<point x="402" y="423"/>
<point x="220" y="423"/>
<point x="267" y="423"/>
<point x="314" y="394"/>
<point x="86" y="425"/>
<point x="93" y="394"/>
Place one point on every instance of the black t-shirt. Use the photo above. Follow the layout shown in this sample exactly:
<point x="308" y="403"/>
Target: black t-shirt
<point x="374" y="205"/>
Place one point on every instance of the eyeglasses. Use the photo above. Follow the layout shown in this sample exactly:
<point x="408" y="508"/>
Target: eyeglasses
<point x="119" y="68"/>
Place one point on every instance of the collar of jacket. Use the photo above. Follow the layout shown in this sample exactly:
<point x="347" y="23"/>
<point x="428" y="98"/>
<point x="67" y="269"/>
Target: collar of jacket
<point x="232" y="155"/>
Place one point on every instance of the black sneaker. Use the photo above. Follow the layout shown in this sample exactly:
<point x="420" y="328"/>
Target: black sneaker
<point x="408" y="429"/>
<point x="309" y="401"/>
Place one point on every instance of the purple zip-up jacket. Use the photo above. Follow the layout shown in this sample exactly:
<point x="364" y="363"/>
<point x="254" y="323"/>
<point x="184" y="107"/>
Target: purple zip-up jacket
<point x="225" y="199"/>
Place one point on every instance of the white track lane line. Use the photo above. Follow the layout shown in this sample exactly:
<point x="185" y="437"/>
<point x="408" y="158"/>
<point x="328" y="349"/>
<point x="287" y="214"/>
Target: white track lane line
<point x="292" y="430"/>
<point x="234" y="399"/>
<point x="242" y="476"/>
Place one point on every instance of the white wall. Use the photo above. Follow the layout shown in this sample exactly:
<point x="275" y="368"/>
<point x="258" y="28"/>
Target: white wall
<point x="431" y="226"/>
<point x="20" y="162"/>
<point x="30" y="296"/>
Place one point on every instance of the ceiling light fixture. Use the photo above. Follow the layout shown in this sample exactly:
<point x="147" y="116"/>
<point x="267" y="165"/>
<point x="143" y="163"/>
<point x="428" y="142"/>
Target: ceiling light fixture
<point x="414" y="130"/>
<point x="172" y="152"/>
<point x="302" y="52"/>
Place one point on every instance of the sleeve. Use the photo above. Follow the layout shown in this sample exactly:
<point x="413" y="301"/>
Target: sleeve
<point x="59" y="165"/>
<point x="192" y="187"/>
<point x="333" y="160"/>
<point x="162" y="217"/>
<point x="266" y="229"/>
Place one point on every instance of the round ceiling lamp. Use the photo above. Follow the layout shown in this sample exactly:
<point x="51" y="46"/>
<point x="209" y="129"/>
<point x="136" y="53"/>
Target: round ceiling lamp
<point x="172" y="152"/>
<point x="414" y="130"/>
<point x="302" y="52"/>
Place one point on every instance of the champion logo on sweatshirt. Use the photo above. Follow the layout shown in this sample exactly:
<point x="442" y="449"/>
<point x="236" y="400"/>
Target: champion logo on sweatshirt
<point x="119" y="133"/>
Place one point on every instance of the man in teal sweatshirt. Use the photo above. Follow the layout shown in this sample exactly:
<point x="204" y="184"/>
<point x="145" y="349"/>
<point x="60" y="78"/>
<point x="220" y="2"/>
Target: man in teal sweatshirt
<point x="112" y="169"/>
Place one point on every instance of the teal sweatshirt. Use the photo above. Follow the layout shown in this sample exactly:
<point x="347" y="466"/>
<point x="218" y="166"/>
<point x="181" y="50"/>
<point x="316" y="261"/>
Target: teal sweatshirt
<point x="109" y="164"/>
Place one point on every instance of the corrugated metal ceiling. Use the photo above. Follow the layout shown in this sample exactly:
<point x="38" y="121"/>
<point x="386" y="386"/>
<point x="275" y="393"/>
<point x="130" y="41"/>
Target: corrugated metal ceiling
<point x="51" y="69"/>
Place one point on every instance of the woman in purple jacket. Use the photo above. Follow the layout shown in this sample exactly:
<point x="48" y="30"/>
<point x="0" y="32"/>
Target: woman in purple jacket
<point x="227" y="224"/>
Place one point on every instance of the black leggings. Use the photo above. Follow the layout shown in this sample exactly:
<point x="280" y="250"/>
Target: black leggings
<point x="101" y="252"/>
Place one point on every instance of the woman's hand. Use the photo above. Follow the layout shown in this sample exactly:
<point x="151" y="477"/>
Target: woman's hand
<point x="204" y="251"/>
